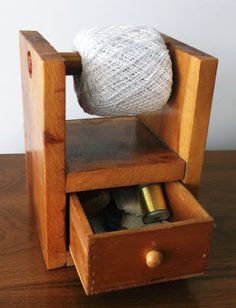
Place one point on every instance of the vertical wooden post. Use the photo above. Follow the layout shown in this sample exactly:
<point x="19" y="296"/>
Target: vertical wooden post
<point x="43" y="88"/>
<point x="183" y="123"/>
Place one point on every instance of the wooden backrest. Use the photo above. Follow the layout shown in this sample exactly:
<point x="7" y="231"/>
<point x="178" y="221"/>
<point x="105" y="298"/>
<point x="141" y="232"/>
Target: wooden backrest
<point x="183" y="123"/>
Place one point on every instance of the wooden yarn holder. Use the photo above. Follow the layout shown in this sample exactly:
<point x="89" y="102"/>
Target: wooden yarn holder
<point x="68" y="156"/>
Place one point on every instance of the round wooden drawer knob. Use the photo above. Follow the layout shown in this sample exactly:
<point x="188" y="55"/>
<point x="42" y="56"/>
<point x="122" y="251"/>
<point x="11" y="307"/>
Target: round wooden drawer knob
<point x="154" y="258"/>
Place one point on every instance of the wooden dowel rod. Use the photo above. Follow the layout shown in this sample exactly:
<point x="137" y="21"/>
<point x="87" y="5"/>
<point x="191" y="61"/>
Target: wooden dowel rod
<point x="72" y="62"/>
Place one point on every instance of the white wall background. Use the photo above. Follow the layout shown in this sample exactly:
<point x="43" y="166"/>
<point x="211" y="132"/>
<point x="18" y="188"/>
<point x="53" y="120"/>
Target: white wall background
<point x="209" y="25"/>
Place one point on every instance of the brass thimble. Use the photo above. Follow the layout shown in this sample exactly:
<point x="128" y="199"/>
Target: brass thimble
<point x="153" y="203"/>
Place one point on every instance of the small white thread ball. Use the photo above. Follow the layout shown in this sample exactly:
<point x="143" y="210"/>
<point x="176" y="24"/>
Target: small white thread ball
<point x="126" y="70"/>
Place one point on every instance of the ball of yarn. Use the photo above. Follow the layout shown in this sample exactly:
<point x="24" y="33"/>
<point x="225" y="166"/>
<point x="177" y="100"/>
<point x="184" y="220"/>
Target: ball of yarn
<point x="126" y="70"/>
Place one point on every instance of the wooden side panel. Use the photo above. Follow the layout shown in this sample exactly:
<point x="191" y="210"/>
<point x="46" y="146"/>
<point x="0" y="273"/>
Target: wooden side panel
<point x="43" y="87"/>
<point x="183" y="204"/>
<point x="80" y="231"/>
<point x="183" y="123"/>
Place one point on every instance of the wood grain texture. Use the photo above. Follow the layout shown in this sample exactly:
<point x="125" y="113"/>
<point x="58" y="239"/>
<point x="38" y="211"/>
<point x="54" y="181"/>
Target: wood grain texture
<point x="183" y="123"/>
<point x="43" y="88"/>
<point x="116" y="260"/>
<point x="112" y="152"/>
<point x="24" y="280"/>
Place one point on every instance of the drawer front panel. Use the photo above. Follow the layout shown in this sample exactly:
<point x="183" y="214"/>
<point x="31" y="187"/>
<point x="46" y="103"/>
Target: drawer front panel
<point x="120" y="261"/>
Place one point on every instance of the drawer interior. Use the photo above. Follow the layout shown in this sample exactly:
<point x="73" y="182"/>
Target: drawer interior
<point x="113" y="260"/>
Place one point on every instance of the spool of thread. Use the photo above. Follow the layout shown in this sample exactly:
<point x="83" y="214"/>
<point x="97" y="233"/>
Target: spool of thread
<point x="153" y="203"/>
<point x="127" y="70"/>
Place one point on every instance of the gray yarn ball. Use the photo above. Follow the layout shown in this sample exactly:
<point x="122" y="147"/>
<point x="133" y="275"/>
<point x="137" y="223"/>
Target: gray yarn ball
<point x="127" y="70"/>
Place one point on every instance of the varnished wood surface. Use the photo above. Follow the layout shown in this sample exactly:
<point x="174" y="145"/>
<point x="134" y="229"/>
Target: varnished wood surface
<point x="25" y="282"/>
<point x="111" y="152"/>
<point x="43" y="91"/>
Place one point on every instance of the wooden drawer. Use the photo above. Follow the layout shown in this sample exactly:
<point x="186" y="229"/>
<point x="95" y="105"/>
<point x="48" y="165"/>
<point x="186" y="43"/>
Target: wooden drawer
<point x="116" y="260"/>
